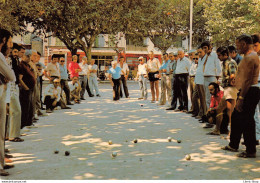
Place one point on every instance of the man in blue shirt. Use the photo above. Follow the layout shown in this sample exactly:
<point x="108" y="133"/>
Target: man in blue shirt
<point x="64" y="79"/>
<point x="114" y="77"/>
<point x="165" y="80"/>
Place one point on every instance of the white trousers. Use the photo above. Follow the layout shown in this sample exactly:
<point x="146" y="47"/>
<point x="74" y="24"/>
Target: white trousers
<point x="2" y="124"/>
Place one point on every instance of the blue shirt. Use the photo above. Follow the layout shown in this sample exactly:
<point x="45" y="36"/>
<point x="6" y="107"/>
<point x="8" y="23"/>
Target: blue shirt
<point x="238" y="58"/>
<point x="164" y="66"/>
<point x="115" y="72"/>
<point x="63" y="72"/>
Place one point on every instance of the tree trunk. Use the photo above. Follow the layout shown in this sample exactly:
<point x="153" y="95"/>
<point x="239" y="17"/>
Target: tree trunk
<point x="88" y="53"/>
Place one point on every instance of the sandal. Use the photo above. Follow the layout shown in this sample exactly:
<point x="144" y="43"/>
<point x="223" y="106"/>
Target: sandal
<point x="246" y="155"/>
<point x="17" y="139"/>
<point x="8" y="166"/>
<point x="228" y="148"/>
<point x="3" y="173"/>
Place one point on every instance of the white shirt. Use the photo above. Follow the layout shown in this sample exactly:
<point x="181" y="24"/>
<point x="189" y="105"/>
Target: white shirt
<point x="153" y="65"/>
<point x="125" y="68"/>
<point x="142" y="69"/>
<point x="84" y="69"/>
<point x="193" y="69"/>
<point x="183" y="66"/>
<point x="93" y="67"/>
<point x="50" y="90"/>
<point x="199" y="77"/>
<point x="53" y="69"/>
<point x="5" y="69"/>
<point x="73" y="86"/>
<point x="213" y="66"/>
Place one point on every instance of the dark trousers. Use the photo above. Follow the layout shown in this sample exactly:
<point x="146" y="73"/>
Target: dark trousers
<point x="88" y="90"/>
<point x="41" y="81"/>
<point x="123" y="81"/>
<point x="116" y="89"/>
<point x="65" y="87"/>
<point x="48" y="102"/>
<point x="83" y="83"/>
<point x="27" y="107"/>
<point x="181" y="90"/>
<point x="244" y="122"/>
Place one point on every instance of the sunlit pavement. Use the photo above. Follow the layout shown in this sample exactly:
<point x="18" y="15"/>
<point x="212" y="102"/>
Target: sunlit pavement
<point x="86" y="129"/>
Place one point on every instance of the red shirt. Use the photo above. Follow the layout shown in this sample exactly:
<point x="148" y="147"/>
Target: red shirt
<point x="72" y="67"/>
<point x="215" y="99"/>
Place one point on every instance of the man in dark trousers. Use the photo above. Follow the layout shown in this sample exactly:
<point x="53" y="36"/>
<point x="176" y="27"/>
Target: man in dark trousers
<point x="243" y="121"/>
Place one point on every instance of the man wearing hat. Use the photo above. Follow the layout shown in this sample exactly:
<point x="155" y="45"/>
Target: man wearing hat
<point x="142" y="78"/>
<point x="52" y="95"/>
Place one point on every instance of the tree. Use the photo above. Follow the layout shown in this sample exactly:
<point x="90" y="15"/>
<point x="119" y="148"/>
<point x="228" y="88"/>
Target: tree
<point x="228" y="19"/>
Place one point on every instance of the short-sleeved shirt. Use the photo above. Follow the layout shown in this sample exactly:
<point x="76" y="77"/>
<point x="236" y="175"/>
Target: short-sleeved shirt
<point x="53" y="69"/>
<point x="199" y="77"/>
<point x="183" y="66"/>
<point x="164" y="66"/>
<point x="115" y="72"/>
<point x="72" y="68"/>
<point x="63" y="72"/>
<point x="172" y="66"/>
<point x="125" y="68"/>
<point x="50" y="90"/>
<point x="215" y="100"/>
<point x="229" y="67"/>
<point x="92" y="67"/>
<point x="153" y="65"/>
<point x="142" y="69"/>
<point x="28" y="75"/>
<point x="84" y="69"/>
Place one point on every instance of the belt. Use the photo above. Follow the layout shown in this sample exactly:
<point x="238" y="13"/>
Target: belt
<point x="192" y="76"/>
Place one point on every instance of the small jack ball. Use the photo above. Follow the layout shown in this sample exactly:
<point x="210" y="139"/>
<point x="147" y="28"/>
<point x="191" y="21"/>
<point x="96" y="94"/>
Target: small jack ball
<point x="169" y="139"/>
<point x="67" y="153"/>
<point x="114" y="154"/>
<point x="135" y="141"/>
<point x="179" y="141"/>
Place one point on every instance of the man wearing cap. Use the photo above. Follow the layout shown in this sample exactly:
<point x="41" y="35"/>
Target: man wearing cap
<point x="52" y="95"/>
<point x="27" y="82"/>
<point x="124" y="75"/>
<point x="165" y="80"/>
<point x="115" y="77"/>
<point x="83" y="76"/>
<point x="142" y="78"/>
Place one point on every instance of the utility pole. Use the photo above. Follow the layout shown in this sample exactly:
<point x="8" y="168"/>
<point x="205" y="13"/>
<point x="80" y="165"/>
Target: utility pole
<point x="191" y="19"/>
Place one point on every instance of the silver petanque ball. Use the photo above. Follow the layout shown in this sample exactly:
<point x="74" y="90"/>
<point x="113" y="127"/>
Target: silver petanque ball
<point x="114" y="154"/>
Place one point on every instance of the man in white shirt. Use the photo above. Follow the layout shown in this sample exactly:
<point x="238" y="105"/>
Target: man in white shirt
<point x="142" y="77"/>
<point x="181" y="74"/>
<point x="6" y="75"/>
<point x="53" y="69"/>
<point x="192" y="73"/>
<point x="211" y="68"/>
<point x="83" y="76"/>
<point x="52" y="96"/>
<point x="92" y="80"/>
<point x="124" y="75"/>
<point x="75" y="89"/>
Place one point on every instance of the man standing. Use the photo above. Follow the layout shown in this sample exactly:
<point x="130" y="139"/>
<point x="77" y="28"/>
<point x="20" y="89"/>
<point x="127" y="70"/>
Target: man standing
<point x="234" y="55"/>
<point x="142" y="78"/>
<point x="83" y="76"/>
<point x="256" y="42"/>
<point x="165" y="81"/>
<point x="93" y="83"/>
<point x="64" y="79"/>
<point x="172" y="68"/>
<point x="115" y="77"/>
<point x="6" y="74"/>
<point x="211" y="68"/>
<point x="27" y="81"/>
<point x="15" y="107"/>
<point x="124" y="67"/>
<point x="53" y="69"/>
<point x="243" y="116"/>
<point x="181" y="74"/>
<point x="192" y="73"/>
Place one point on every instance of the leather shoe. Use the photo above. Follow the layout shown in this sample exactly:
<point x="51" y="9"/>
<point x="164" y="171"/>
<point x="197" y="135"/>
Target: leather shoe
<point x="171" y="108"/>
<point x="91" y="95"/>
<point x="208" y="125"/>
<point x="82" y="99"/>
<point x="66" y="107"/>
<point x="189" y="112"/>
<point x="69" y="103"/>
<point x="8" y="166"/>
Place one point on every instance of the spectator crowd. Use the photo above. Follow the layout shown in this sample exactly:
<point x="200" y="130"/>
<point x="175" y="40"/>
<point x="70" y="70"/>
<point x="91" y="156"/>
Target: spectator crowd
<point x="223" y="86"/>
